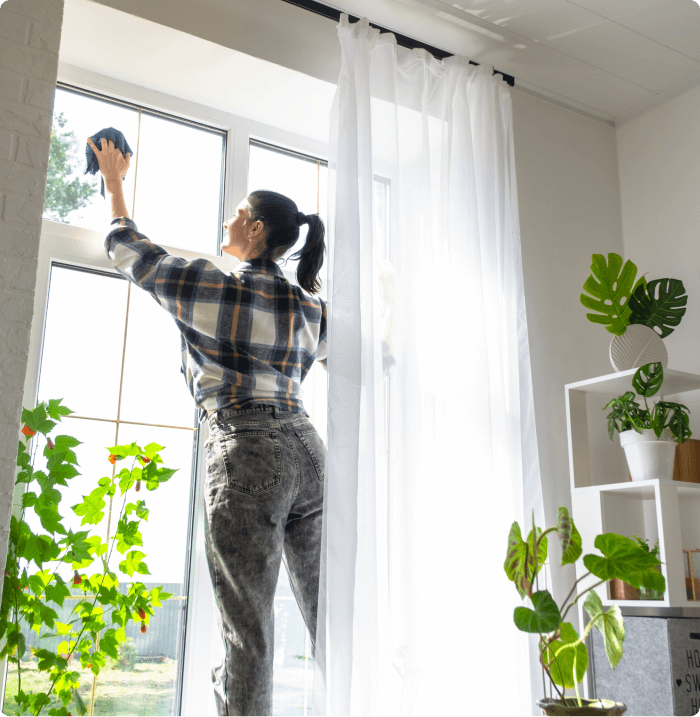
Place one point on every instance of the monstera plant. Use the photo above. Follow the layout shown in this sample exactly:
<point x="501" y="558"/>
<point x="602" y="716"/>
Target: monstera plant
<point x="618" y="301"/>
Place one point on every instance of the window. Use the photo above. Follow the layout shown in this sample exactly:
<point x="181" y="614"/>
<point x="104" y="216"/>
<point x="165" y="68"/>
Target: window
<point x="113" y="355"/>
<point x="174" y="186"/>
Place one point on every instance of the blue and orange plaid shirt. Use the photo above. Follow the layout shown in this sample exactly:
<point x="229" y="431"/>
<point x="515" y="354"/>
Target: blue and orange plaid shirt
<point x="248" y="337"/>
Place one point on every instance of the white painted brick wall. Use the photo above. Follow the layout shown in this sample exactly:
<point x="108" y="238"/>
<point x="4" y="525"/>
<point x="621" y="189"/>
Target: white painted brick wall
<point x="30" y="35"/>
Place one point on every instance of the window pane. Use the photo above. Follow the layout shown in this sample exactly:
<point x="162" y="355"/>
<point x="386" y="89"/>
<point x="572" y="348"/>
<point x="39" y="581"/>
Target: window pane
<point x="288" y="175"/>
<point x="178" y="190"/>
<point x="154" y="390"/>
<point x="72" y="196"/>
<point x="81" y="359"/>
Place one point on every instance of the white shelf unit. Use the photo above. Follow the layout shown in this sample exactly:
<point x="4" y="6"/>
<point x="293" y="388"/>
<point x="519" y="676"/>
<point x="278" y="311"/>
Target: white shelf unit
<point x="604" y="500"/>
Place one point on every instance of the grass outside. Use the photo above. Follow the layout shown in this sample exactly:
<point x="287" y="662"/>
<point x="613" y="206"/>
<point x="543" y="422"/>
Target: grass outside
<point x="147" y="689"/>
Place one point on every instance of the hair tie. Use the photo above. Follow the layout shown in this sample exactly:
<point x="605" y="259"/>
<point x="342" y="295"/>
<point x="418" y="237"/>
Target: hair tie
<point x="301" y="218"/>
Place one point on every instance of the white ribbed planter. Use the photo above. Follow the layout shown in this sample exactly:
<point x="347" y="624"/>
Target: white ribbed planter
<point x="647" y="456"/>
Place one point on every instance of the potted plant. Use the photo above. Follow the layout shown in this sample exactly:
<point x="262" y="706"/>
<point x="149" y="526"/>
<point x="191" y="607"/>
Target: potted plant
<point x="649" y="437"/>
<point x="563" y="653"/>
<point x="649" y="593"/>
<point x="639" y="315"/>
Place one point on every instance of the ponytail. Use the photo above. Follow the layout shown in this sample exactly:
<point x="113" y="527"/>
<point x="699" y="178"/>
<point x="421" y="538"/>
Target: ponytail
<point x="281" y="218"/>
<point x="311" y="256"/>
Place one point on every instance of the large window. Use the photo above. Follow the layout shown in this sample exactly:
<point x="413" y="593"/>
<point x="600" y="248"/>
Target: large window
<point x="113" y="355"/>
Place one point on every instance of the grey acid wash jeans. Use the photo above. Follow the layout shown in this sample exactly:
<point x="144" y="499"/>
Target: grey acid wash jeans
<point x="264" y="503"/>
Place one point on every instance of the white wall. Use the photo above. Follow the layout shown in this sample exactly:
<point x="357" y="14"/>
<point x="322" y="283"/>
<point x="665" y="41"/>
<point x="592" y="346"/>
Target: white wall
<point x="30" y="32"/>
<point x="659" y="160"/>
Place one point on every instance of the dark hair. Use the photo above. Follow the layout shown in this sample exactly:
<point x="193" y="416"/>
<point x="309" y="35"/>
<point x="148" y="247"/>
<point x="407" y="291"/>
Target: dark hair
<point x="282" y="219"/>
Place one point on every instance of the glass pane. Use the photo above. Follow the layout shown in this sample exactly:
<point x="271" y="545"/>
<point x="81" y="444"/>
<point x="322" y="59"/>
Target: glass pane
<point x="73" y="197"/>
<point x="179" y="185"/>
<point x="81" y="359"/>
<point x="154" y="389"/>
<point x="292" y="664"/>
<point x="288" y="175"/>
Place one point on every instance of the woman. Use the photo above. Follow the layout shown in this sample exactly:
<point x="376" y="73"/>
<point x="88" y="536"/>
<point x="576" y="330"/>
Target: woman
<point x="249" y="338"/>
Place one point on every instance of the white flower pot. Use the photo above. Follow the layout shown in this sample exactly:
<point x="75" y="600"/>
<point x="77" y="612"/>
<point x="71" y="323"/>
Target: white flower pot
<point x="647" y="456"/>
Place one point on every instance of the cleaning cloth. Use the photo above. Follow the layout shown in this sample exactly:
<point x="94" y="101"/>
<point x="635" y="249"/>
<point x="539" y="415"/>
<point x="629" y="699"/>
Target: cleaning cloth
<point x="119" y="142"/>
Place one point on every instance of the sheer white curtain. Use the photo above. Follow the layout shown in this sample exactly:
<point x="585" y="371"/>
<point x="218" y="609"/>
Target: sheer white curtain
<point x="415" y="610"/>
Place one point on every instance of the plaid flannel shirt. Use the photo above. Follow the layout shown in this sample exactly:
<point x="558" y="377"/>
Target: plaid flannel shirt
<point x="248" y="337"/>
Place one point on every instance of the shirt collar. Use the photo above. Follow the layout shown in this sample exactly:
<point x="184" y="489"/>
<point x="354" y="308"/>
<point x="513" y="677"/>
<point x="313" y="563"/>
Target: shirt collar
<point x="260" y="265"/>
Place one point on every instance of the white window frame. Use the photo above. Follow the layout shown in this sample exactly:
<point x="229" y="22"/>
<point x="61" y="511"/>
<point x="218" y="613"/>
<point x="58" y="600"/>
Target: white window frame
<point x="85" y="248"/>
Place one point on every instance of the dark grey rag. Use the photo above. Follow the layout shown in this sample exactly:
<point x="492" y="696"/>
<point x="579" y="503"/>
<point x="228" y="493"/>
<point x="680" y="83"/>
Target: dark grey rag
<point x="119" y="142"/>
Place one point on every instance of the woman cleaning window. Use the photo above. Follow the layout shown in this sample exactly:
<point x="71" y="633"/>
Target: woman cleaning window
<point x="249" y="338"/>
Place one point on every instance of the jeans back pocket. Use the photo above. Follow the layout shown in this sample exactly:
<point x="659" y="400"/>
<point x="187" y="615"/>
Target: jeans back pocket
<point x="315" y="448"/>
<point x="252" y="459"/>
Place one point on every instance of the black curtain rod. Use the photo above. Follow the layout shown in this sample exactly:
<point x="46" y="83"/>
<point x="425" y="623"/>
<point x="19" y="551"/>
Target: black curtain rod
<point x="403" y="40"/>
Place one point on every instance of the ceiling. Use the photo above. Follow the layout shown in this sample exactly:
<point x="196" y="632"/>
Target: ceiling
<point x="609" y="59"/>
<point x="613" y="57"/>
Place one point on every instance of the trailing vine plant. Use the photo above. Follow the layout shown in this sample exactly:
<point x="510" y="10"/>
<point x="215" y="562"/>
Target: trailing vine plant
<point x="32" y="580"/>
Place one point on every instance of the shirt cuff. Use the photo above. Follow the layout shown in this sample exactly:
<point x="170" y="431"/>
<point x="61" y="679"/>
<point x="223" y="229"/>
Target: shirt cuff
<point x="121" y="222"/>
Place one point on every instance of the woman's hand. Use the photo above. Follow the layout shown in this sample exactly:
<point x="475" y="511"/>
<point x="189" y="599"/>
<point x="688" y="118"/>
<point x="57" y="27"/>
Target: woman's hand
<point x="113" y="164"/>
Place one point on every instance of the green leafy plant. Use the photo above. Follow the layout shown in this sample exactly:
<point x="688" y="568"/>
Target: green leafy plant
<point x="644" y="543"/>
<point x="126" y="656"/>
<point x="665" y="416"/>
<point x="644" y="593"/>
<point x="563" y="653"/>
<point x="617" y="301"/>
<point x="32" y="578"/>
<point x="64" y="192"/>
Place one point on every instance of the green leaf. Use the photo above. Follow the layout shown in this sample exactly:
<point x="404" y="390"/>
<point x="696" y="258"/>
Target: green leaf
<point x="615" y="284"/>
<point x="63" y="628"/>
<point x="28" y="499"/>
<point x="569" y="537"/>
<point x="21" y="646"/>
<point x="128" y="534"/>
<point x="56" y="410"/>
<point x="519" y="569"/>
<point x="90" y="509"/>
<point x="109" y="643"/>
<point x="133" y="564"/>
<point x="45" y="426"/>
<point x="46" y="659"/>
<point x="62" y="472"/>
<point x="79" y="702"/>
<point x="151" y="450"/>
<point x="544" y="618"/>
<point x="125" y="450"/>
<point x="561" y="656"/>
<point x="624" y="559"/>
<point x="610" y="625"/>
<point x="58" y="592"/>
<point x="662" y="313"/>
<point x="164" y="474"/>
<point x="647" y="379"/>
<point x="63" y="443"/>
